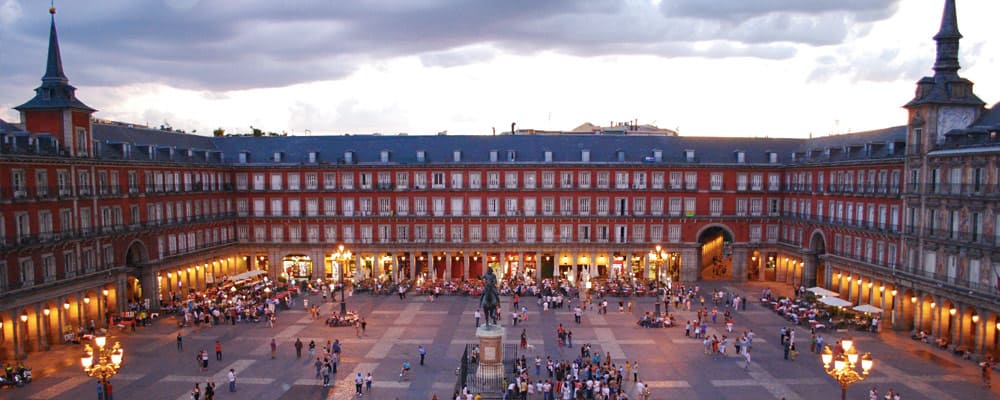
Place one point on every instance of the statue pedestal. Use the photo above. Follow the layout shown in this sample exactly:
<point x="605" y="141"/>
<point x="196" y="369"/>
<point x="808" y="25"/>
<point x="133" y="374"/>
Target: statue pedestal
<point x="490" y="372"/>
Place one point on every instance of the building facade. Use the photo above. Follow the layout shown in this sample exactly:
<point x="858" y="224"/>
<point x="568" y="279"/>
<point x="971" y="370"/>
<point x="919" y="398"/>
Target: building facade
<point x="96" y="215"/>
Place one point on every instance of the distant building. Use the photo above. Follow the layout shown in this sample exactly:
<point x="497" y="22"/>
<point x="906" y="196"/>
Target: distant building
<point x="906" y="218"/>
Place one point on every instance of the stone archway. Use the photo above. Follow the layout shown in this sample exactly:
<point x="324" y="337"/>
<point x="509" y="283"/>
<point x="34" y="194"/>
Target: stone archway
<point x="715" y="258"/>
<point x="814" y="265"/>
<point x="136" y="257"/>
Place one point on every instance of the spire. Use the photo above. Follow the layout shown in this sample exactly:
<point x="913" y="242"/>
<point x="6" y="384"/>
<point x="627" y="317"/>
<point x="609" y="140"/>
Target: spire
<point x="53" y="68"/>
<point x="55" y="91"/>
<point x="947" y="42"/>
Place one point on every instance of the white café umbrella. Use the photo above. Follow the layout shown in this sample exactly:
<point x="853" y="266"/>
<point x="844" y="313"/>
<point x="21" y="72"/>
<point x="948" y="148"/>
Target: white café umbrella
<point x="835" y="301"/>
<point x="823" y="292"/>
<point x="867" y="308"/>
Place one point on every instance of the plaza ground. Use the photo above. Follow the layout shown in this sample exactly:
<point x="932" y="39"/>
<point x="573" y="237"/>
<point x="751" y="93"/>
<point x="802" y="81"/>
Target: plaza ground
<point x="672" y="365"/>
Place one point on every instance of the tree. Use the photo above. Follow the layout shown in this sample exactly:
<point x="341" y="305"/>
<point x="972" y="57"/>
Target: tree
<point x="219" y="132"/>
<point x="256" y="132"/>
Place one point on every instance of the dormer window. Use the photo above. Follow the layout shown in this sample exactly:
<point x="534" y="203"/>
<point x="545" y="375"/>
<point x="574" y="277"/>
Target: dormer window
<point x="493" y="155"/>
<point x="278" y="156"/>
<point x="511" y="156"/>
<point x="772" y="157"/>
<point x="585" y="155"/>
<point x="741" y="157"/>
<point x="658" y="155"/>
<point x="349" y="157"/>
<point x="456" y="156"/>
<point x="620" y="155"/>
<point x="383" y="156"/>
<point x="689" y="155"/>
<point x="312" y="156"/>
<point x="421" y="156"/>
<point x="548" y="155"/>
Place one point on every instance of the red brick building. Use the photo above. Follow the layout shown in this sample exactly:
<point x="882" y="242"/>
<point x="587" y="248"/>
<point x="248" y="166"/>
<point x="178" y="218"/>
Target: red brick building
<point x="96" y="215"/>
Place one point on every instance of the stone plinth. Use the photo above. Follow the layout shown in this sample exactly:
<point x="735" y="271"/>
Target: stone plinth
<point x="490" y="370"/>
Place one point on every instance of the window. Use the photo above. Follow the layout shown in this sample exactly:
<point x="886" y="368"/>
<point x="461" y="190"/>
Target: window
<point x="716" y="181"/>
<point x="657" y="180"/>
<point x="312" y="207"/>
<point x="347" y="206"/>
<point x="603" y="179"/>
<point x="456" y="233"/>
<point x="475" y="206"/>
<point x="492" y="180"/>
<point x="419" y="180"/>
<point x="511" y="236"/>
<point x="566" y="179"/>
<point x="656" y="206"/>
<point x="402" y="180"/>
<point x="312" y="181"/>
<point x="510" y="180"/>
<point x="715" y="207"/>
<point x="294" y="182"/>
<point x="548" y="233"/>
<point x="276" y="183"/>
<point x="475" y="233"/>
<point x="26" y="269"/>
<point x="548" y="179"/>
<point x="529" y="180"/>
<point x="676" y="180"/>
<point x="773" y="182"/>
<point x="584" y="179"/>
<point x="548" y="206"/>
<point x="583" y="233"/>
<point x="639" y="206"/>
<point x="565" y="233"/>
<point x="402" y="206"/>
<point x="675" y="206"/>
<point x="566" y="205"/>
<point x="329" y="180"/>
<point x="691" y="181"/>
<point x="621" y="180"/>
<point x="602" y="206"/>
<point x="756" y="207"/>
<point x="437" y="180"/>
<point x="456" y="206"/>
<point x="689" y="206"/>
<point x="529" y="233"/>
<point x="456" y="180"/>
<point x="493" y="233"/>
<point x="510" y="206"/>
<point x="276" y="207"/>
<point x="420" y="206"/>
<point x="674" y="233"/>
<point x="475" y="180"/>
<point x="583" y="206"/>
<point x="773" y="209"/>
<point x="347" y="181"/>
<point x="755" y="233"/>
<point x="656" y="233"/>
<point x="741" y="182"/>
<point x="493" y="206"/>
<point x="329" y="206"/>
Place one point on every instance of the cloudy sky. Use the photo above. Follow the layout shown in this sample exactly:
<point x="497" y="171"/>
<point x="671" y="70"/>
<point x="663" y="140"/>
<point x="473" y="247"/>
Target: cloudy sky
<point x="786" y="68"/>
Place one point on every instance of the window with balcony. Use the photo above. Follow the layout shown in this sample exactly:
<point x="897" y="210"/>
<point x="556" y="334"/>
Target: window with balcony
<point x="674" y="233"/>
<point x="493" y="233"/>
<point x="510" y="180"/>
<point x="511" y="234"/>
<point x="475" y="233"/>
<point x="583" y="206"/>
<point x="548" y="206"/>
<point x="492" y="180"/>
<point x="621" y="180"/>
<point x="584" y="179"/>
<point x="530" y="180"/>
<point x="529" y="233"/>
<point x="566" y="179"/>
<point x="276" y="182"/>
<point x="691" y="181"/>
<point x="437" y="180"/>
<point x="510" y="206"/>
<point x="715" y="181"/>
<point x="603" y="180"/>
<point x="639" y="206"/>
<point x="347" y="207"/>
<point x="347" y="181"/>
<point x="548" y="179"/>
<point x="475" y="180"/>
<point x="715" y="207"/>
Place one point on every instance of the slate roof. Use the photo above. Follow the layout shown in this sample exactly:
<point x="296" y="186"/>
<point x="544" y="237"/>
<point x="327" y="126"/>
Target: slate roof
<point x="565" y="148"/>
<point x="6" y="127"/>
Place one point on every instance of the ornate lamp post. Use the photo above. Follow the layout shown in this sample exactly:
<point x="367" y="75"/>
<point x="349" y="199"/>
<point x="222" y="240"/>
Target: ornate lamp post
<point x="105" y="363"/>
<point x="844" y="368"/>
<point x="660" y="258"/>
<point x="342" y="256"/>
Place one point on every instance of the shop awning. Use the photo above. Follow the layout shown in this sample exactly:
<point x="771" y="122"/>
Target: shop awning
<point x="823" y="292"/>
<point x="835" y="301"/>
<point x="248" y="275"/>
<point x="867" y="308"/>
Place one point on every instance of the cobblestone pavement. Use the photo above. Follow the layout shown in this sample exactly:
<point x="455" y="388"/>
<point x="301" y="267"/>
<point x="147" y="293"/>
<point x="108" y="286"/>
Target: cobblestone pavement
<point x="672" y="365"/>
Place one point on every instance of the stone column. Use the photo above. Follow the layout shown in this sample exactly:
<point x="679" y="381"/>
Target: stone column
<point x="18" y="339"/>
<point x="808" y="270"/>
<point x="739" y="264"/>
<point x="318" y="259"/>
<point x="592" y="268"/>
<point x="503" y="263"/>
<point x="645" y="266"/>
<point x="465" y="265"/>
<point x="689" y="265"/>
<point x="575" y="261"/>
<point x="42" y="327"/>
<point x="413" y="266"/>
<point x="61" y="316"/>
<point x="957" y="323"/>
<point x="447" y="263"/>
<point x="538" y="269"/>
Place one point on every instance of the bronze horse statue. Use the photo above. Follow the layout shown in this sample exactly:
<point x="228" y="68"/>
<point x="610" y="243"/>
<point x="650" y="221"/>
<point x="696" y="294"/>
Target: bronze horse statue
<point x="490" y="298"/>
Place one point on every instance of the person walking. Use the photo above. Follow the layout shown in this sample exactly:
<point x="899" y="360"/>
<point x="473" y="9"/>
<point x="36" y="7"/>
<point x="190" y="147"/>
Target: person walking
<point x="478" y="315"/>
<point x="218" y="351"/>
<point x="423" y="352"/>
<point x="326" y="371"/>
<point x="274" y="348"/>
<point x="204" y="360"/>
<point x="319" y="366"/>
<point x="635" y="371"/>
<point x="209" y="390"/>
<point x="312" y="348"/>
<point x="108" y="390"/>
<point x="232" y="380"/>
<point x="298" y="348"/>
<point x="180" y="342"/>
<point x="368" y="383"/>
<point x="358" y="381"/>
<point x="196" y="392"/>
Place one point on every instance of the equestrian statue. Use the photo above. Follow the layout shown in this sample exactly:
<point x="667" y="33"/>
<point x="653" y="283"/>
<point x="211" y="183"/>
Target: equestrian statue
<point x="490" y="299"/>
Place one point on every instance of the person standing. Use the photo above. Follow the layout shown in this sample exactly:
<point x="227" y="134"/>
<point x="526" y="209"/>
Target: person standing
<point x="232" y="380"/>
<point x="274" y="348"/>
<point x="478" y="315"/>
<point x="204" y="360"/>
<point x="209" y="390"/>
<point x="319" y="366"/>
<point x="312" y="348"/>
<point x="368" y="383"/>
<point x="298" y="348"/>
<point x="635" y="371"/>
<point x="326" y="373"/>
<point x="358" y="380"/>
<point x="218" y="351"/>
<point x="180" y="342"/>
<point x="423" y="352"/>
<point x="100" y="391"/>
<point x="196" y="392"/>
<point x="108" y="390"/>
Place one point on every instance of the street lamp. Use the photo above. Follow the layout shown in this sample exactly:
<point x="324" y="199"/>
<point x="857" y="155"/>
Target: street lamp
<point x="105" y="364"/>
<point x="660" y="258"/>
<point x="845" y="364"/>
<point x="342" y="256"/>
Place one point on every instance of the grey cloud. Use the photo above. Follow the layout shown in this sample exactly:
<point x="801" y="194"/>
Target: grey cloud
<point x="222" y="45"/>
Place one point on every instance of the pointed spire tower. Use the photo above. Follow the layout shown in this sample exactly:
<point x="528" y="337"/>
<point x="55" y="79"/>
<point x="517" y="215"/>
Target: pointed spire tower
<point x="55" y="109"/>
<point x="945" y="101"/>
